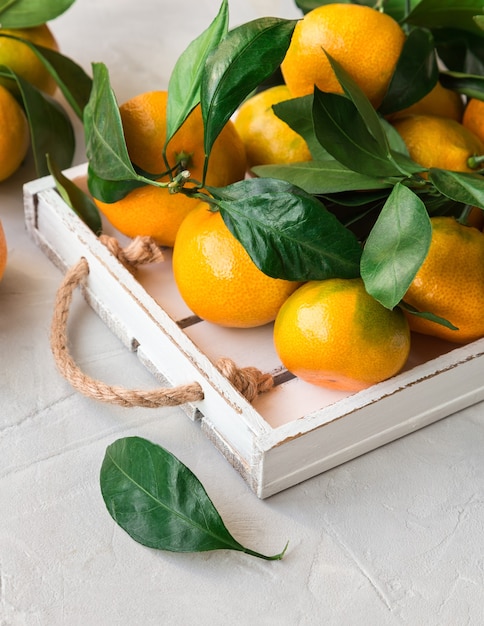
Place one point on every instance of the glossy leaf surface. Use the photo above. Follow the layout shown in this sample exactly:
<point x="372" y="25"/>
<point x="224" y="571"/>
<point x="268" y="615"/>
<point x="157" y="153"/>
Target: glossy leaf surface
<point x="322" y="177"/>
<point x="185" y="79"/>
<point x="298" y="114"/>
<point x="160" y="503"/>
<point x="51" y="130"/>
<point x="72" y="80"/>
<point x="396" y="246"/>
<point x="415" y="75"/>
<point x="288" y="234"/>
<point x="105" y="145"/>
<point x="27" y="13"/>
<point x="437" y="14"/>
<point x="461" y="187"/>
<point x="80" y="202"/>
<point x="248" y="55"/>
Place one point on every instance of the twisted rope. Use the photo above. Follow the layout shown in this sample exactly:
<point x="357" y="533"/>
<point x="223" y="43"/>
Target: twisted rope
<point x="249" y="380"/>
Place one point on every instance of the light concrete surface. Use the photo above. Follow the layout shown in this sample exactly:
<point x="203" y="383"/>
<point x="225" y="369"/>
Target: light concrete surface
<point x="394" y="537"/>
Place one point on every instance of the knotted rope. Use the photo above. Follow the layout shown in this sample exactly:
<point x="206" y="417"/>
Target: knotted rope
<point x="248" y="380"/>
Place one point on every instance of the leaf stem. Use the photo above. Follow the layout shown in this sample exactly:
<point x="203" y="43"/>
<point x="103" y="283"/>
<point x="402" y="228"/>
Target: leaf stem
<point x="275" y="557"/>
<point x="464" y="216"/>
<point x="474" y="162"/>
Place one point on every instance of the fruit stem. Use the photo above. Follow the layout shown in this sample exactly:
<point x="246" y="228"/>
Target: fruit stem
<point x="474" y="162"/>
<point x="464" y="216"/>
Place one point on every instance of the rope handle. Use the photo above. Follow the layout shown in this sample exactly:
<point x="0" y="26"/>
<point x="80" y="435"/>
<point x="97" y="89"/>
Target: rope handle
<point x="248" y="380"/>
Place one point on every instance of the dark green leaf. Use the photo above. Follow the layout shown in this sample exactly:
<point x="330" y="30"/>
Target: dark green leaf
<point x="446" y="13"/>
<point x="298" y="114"/>
<point x="344" y="134"/>
<point x="460" y="51"/>
<point x="184" y="85"/>
<point x="160" y="503"/>
<point x="248" y="55"/>
<point x="110" y="190"/>
<point x="51" y="130"/>
<point x="27" y="13"/>
<point x="362" y="104"/>
<point x="80" y="202"/>
<point x="415" y="75"/>
<point x="466" y="84"/>
<point x="428" y="316"/>
<point x="322" y="177"/>
<point x="459" y="186"/>
<point x="105" y="145"/>
<point x="74" y="83"/>
<point x="396" y="247"/>
<point x="288" y="234"/>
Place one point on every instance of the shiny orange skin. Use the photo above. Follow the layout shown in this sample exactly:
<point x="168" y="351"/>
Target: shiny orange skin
<point x="3" y="251"/>
<point x="434" y="141"/>
<point x="333" y="334"/>
<point x="450" y="283"/>
<point x="473" y="117"/>
<point x="154" y="211"/>
<point x="216" y="277"/>
<point x="366" y="42"/>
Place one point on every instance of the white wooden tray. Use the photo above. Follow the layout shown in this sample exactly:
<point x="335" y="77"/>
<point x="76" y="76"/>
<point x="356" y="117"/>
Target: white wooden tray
<point x="287" y="435"/>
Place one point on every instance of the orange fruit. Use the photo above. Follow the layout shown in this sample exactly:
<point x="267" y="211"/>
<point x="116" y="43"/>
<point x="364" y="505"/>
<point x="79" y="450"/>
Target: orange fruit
<point x="18" y="57"/>
<point x="14" y="134"/>
<point x="366" y="42"/>
<point x="216" y="277"/>
<point x="3" y="251"/>
<point x="439" y="101"/>
<point x="266" y="137"/>
<point x="154" y="211"/>
<point x="434" y="141"/>
<point x="332" y="333"/>
<point x="450" y="282"/>
<point x="473" y="117"/>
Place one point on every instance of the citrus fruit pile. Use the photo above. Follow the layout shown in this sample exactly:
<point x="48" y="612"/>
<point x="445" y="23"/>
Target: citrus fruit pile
<point x="344" y="204"/>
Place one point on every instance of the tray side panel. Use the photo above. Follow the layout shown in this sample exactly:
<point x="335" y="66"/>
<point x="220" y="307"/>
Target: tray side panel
<point x="409" y="409"/>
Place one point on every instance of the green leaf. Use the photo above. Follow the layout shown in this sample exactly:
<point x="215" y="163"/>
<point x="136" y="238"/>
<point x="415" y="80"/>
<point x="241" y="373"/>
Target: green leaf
<point x="160" y="503"/>
<point x="105" y="144"/>
<point x="466" y="84"/>
<point x="51" y="130"/>
<point x="248" y="55"/>
<point x="396" y="247"/>
<point x="322" y="177"/>
<point x="446" y="13"/>
<point x="428" y="316"/>
<point x="288" y="233"/>
<point x="459" y="50"/>
<point x="110" y="190"/>
<point x="74" y="83"/>
<point x="342" y="131"/>
<point x="80" y="202"/>
<point x="362" y="104"/>
<point x="459" y="186"/>
<point x="184" y="84"/>
<point x="415" y="75"/>
<point x="27" y="13"/>
<point x="298" y="114"/>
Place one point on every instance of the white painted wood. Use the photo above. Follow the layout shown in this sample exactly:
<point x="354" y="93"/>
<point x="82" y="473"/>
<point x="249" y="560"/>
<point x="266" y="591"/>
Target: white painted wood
<point x="287" y="435"/>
